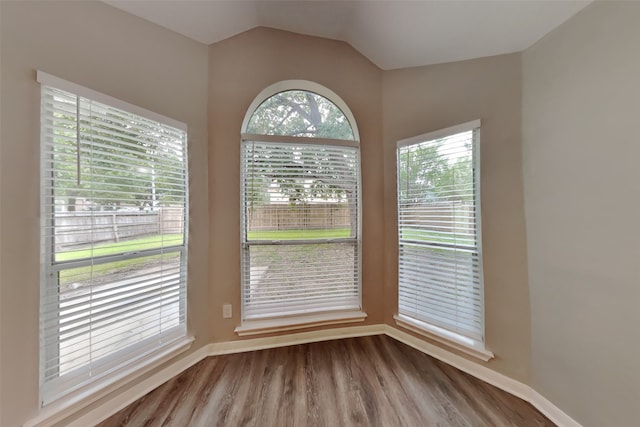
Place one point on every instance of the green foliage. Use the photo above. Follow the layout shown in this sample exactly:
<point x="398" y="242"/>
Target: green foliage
<point x="300" y="113"/>
<point x="301" y="173"/>
<point x="426" y="175"/>
<point x="120" y="161"/>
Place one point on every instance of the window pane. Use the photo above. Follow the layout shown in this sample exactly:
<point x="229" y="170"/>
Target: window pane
<point x="115" y="178"/>
<point x="104" y="308"/>
<point x="300" y="209"/>
<point x="441" y="286"/>
<point x="75" y="239"/>
<point x="295" y="279"/>
<point x="439" y="222"/>
<point x="114" y="215"/>
<point x="300" y="113"/>
<point x="439" y="265"/>
<point x="298" y="222"/>
<point x="436" y="191"/>
<point x="300" y="192"/>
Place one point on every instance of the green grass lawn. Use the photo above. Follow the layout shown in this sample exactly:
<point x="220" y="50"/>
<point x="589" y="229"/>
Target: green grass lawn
<point x="149" y="242"/>
<point x="420" y="235"/>
<point x="165" y="240"/>
<point x="81" y="274"/>
<point x="153" y="242"/>
<point x="335" y="233"/>
<point x="438" y="237"/>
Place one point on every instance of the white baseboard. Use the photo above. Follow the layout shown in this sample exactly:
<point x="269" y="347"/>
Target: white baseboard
<point x="511" y="386"/>
<point x="136" y="391"/>
<point x="552" y="412"/>
<point x="253" y="344"/>
<point x="133" y="393"/>
<point x="481" y="372"/>
<point x="73" y="403"/>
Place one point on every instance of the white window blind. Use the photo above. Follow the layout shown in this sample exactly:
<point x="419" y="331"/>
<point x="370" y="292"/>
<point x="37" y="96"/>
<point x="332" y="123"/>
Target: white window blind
<point x="440" y="257"/>
<point x="300" y="228"/>
<point x="113" y="214"/>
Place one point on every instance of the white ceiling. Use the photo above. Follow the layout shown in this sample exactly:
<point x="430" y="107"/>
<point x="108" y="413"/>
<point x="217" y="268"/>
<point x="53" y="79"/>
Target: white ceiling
<point x="391" y="33"/>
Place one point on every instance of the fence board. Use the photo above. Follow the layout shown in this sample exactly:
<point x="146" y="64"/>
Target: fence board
<point x="298" y="217"/>
<point x="75" y="229"/>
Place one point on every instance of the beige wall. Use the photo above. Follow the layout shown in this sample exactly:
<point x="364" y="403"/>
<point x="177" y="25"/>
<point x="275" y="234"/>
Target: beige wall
<point x="1" y="204"/>
<point x="104" y="49"/>
<point x="581" y="102"/>
<point x="423" y="99"/>
<point x="241" y="67"/>
<point x="125" y="57"/>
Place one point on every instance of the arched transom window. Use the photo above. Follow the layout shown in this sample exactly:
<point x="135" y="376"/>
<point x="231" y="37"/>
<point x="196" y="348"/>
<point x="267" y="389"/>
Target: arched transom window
<point x="300" y="179"/>
<point x="300" y="113"/>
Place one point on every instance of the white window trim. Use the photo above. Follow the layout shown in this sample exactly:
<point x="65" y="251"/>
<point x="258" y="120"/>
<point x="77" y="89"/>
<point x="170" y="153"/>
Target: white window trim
<point x="455" y="341"/>
<point x="267" y="326"/>
<point x="73" y="402"/>
<point x="277" y="324"/>
<point x="475" y="348"/>
<point x="299" y="321"/>
<point x="53" y="402"/>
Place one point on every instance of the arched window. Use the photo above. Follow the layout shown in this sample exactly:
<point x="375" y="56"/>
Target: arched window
<point x="300" y="179"/>
<point x="300" y="113"/>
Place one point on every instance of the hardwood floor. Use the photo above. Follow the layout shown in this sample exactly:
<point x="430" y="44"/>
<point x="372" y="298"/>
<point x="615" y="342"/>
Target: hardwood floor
<point x="369" y="381"/>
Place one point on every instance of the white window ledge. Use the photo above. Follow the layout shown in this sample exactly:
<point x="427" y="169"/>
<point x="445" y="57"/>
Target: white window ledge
<point x="267" y="326"/>
<point x="452" y="340"/>
<point x="64" y="407"/>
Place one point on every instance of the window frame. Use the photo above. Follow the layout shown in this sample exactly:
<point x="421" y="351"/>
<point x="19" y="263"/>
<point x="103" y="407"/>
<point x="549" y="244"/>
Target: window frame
<point x="129" y="360"/>
<point x="318" y="318"/>
<point x="468" y="345"/>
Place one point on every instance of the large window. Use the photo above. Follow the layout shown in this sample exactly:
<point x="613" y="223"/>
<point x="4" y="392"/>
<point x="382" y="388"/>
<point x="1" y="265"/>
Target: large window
<point x="440" y="256"/>
<point x="113" y="215"/>
<point x="300" y="182"/>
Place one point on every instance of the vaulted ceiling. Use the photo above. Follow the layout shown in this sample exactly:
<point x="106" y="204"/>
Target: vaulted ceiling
<point x="392" y="33"/>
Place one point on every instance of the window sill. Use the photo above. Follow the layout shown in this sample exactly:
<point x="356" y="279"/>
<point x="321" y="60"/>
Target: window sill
<point x="463" y="344"/>
<point x="267" y="326"/>
<point x="63" y="407"/>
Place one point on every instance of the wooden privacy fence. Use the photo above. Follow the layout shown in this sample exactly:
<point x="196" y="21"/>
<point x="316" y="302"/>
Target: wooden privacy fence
<point x="82" y="228"/>
<point x="298" y="217"/>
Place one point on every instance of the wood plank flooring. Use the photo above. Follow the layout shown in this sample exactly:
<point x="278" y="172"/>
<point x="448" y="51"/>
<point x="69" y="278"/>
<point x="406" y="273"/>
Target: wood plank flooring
<point x="369" y="381"/>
